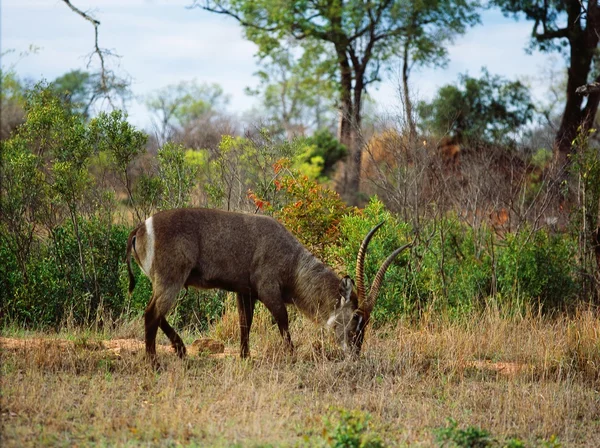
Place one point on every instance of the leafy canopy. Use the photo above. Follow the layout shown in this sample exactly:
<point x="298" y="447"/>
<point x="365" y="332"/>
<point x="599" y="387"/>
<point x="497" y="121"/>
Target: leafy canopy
<point x="362" y="35"/>
<point x="489" y="108"/>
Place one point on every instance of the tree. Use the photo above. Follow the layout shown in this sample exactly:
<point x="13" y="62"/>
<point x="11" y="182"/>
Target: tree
<point x="424" y="44"/>
<point x="487" y="109"/>
<point x="12" y="99"/>
<point x="81" y="90"/>
<point x="296" y="91"/>
<point x="106" y="82"/>
<point x="12" y="93"/>
<point x="362" y="35"/>
<point x="559" y="24"/>
<point x="177" y="105"/>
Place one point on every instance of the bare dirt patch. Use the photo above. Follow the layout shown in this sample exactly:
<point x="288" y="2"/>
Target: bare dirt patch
<point x="206" y="346"/>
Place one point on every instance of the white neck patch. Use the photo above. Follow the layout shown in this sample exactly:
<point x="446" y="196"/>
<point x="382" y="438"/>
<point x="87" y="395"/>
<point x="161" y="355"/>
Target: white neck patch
<point x="149" y="258"/>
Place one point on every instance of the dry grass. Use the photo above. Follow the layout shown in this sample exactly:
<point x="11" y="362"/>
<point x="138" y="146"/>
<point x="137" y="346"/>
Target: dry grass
<point x="529" y="378"/>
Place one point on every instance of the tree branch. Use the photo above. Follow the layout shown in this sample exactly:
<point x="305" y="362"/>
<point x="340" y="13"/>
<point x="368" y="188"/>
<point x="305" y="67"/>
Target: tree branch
<point x="97" y="50"/>
<point x="588" y="88"/>
<point x="108" y="80"/>
<point x="552" y="34"/>
<point x="230" y="13"/>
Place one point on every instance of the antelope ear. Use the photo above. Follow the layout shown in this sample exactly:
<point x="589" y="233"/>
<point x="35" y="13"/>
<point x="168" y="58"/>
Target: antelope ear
<point x="346" y="286"/>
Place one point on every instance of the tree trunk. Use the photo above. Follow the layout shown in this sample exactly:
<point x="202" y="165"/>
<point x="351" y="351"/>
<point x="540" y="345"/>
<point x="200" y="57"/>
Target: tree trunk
<point x="583" y="44"/>
<point x="408" y="109"/>
<point x="349" y="184"/>
<point x="354" y="165"/>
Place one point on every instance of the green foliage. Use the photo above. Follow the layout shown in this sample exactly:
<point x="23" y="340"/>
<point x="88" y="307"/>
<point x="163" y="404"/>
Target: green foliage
<point x="55" y="290"/>
<point x="241" y="164"/>
<point x="454" y="268"/>
<point x="11" y="88"/>
<point x="538" y="267"/>
<point x="451" y="435"/>
<point x="112" y="133"/>
<point x="112" y="136"/>
<point x="177" y="176"/>
<point x="268" y="24"/>
<point x="57" y="221"/>
<point x="392" y="234"/>
<point x="471" y="437"/>
<point x="489" y="109"/>
<point x="541" y="158"/>
<point x="78" y="89"/>
<point x="171" y="182"/>
<point x="350" y="429"/>
<point x="553" y="15"/>
<point x="198" y="308"/>
<point x="586" y="166"/>
<point x="307" y="209"/>
<point x="324" y="147"/>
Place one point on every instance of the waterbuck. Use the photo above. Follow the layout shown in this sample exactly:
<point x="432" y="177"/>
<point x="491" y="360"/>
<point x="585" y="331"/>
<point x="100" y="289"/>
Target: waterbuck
<point x="257" y="258"/>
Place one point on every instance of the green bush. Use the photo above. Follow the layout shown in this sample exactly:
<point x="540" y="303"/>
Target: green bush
<point x="56" y="291"/>
<point x="319" y="154"/>
<point x="306" y="208"/>
<point x="538" y="268"/>
<point x="456" y="269"/>
<point x="353" y="228"/>
<point x="471" y="437"/>
<point x="61" y="285"/>
<point x="349" y="429"/>
<point x="451" y="435"/>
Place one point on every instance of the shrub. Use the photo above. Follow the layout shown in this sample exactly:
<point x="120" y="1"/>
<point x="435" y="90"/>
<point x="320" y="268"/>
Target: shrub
<point x="350" y="429"/>
<point x="537" y="267"/>
<point x="309" y="210"/>
<point x="471" y="437"/>
<point x="319" y="154"/>
<point x="56" y="288"/>
<point x="353" y="229"/>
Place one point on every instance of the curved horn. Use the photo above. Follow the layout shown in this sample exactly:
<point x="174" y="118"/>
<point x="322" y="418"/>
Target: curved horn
<point x="370" y="303"/>
<point x="360" y="265"/>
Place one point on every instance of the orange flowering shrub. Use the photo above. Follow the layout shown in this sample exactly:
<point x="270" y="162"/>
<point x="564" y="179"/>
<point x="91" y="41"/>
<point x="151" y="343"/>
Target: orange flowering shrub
<point x="306" y="208"/>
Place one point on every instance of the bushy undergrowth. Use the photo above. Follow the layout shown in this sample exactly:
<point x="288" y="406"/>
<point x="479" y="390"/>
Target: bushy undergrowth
<point x="456" y="269"/>
<point x="450" y="269"/>
<point x="69" y="196"/>
<point x="52" y="289"/>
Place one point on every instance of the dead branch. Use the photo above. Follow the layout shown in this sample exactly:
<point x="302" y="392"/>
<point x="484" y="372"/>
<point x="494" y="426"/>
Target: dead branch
<point x="108" y="80"/>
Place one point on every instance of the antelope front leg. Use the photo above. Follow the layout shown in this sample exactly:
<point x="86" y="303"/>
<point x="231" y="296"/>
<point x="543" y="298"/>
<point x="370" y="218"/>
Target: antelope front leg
<point x="275" y="305"/>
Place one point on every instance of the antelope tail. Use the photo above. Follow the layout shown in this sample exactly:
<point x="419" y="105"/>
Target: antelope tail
<point x="130" y="246"/>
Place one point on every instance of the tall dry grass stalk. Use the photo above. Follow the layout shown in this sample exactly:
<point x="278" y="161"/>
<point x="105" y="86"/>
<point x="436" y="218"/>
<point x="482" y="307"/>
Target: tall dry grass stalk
<point x="530" y="377"/>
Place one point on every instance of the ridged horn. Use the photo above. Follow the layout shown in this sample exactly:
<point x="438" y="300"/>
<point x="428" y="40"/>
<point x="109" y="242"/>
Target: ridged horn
<point x="360" y="265"/>
<point x="370" y="302"/>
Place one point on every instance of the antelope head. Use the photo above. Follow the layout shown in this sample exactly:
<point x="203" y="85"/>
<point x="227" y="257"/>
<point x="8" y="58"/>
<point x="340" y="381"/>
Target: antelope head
<point x="352" y="312"/>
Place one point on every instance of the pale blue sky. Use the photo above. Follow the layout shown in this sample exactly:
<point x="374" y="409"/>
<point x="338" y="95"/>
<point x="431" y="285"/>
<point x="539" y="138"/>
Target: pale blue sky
<point x="161" y="42"/>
